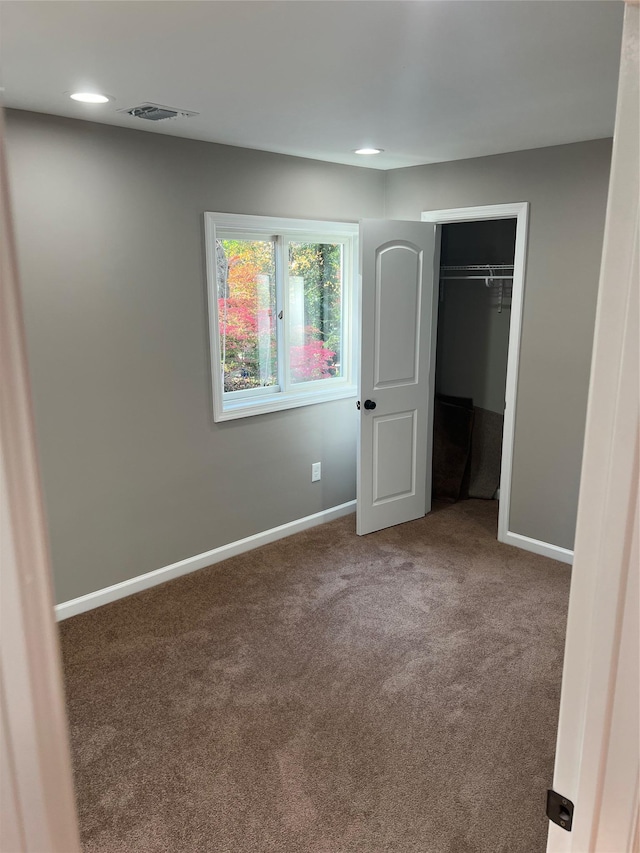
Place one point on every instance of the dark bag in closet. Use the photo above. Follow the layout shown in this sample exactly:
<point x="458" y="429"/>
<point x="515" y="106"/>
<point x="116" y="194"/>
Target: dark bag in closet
<point x="452" y="431"/>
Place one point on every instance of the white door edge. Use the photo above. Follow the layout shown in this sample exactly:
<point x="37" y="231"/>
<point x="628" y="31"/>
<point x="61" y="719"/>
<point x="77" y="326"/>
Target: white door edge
<point x="37" y="805"/>
<point x="598" y="751"/>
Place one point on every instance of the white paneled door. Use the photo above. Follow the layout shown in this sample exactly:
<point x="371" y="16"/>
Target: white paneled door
<point x="397" y="264"/>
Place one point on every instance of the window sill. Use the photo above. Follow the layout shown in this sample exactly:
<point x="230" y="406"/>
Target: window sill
<point x="250" y="406"/>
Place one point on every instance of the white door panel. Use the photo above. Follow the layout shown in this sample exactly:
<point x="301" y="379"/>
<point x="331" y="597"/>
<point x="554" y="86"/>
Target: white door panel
<point x="397" y="305"/>
<point x="397" y="315"/>
<point x="393" y="475"/>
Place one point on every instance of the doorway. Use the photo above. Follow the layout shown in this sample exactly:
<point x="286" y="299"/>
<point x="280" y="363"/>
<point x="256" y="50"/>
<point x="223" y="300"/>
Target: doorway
<point x="474" y="310"/>
<point x="500" y="232"/>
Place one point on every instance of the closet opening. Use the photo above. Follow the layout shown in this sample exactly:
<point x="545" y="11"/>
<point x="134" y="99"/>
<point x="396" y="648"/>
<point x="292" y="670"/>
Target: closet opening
<point x="476" y="277"/>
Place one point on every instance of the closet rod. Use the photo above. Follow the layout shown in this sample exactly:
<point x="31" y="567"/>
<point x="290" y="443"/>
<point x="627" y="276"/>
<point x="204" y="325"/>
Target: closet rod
<point x="471" y="277"/>
<point x="496" y="267"/>
<point x="486" y="272"/>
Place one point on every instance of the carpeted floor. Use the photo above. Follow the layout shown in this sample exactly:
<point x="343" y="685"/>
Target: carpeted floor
<point x="395" y="693"/>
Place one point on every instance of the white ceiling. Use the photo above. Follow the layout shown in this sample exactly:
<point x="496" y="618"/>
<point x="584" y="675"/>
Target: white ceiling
<point x="427" y="81"/>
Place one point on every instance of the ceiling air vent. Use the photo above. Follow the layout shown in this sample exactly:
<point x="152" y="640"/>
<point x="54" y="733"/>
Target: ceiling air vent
<point x="156" y="112"/>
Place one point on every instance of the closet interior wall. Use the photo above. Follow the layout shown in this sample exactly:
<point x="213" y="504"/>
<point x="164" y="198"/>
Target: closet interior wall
<point x="471" y="359"/>
<point x="473" y="335"/>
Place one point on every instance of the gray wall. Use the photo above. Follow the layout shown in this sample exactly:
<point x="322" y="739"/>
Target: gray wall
<point x="567" y="188"/>
<point x="473" y="335"/>
<point x="136" y="473"/>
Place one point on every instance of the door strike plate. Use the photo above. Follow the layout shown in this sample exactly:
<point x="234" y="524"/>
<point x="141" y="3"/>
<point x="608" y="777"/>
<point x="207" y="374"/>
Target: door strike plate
<point x="559" y="810"/>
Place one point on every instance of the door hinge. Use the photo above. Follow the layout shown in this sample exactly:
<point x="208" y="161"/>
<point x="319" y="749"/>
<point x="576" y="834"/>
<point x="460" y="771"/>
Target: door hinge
<point x="559" y="809"/>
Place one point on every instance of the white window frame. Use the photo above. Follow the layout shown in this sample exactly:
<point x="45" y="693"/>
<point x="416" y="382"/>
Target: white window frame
<point x="229" y="405"/>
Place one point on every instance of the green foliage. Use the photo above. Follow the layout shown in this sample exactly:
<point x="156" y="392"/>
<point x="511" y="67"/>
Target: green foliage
<point x="320" y="264"/>
<point x="247" y="312"/>
<point x="247" y="315"/>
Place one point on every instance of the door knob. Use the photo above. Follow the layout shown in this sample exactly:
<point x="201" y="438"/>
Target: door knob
<point x="369" y="404"/>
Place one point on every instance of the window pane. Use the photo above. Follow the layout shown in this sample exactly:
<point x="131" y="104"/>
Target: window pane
<point x="315" y="311"/>
<point x="246" y="312"/>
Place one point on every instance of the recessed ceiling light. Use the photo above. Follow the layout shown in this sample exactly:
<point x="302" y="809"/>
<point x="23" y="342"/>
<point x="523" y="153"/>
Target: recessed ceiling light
<point x="368" y="151"/>
<point x="90" y="98"/>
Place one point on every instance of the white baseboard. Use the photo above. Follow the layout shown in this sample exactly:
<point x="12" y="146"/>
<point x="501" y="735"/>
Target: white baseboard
<point x="538" y="547"/>
<point x="200" y="561"/>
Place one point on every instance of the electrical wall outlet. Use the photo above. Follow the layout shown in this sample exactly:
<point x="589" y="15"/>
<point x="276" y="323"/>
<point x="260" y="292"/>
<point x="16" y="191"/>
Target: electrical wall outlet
<point x="316" y="472"/>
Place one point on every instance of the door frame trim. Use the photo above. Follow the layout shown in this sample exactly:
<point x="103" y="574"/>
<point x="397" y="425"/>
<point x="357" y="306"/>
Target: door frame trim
<point x="520" y="212"/>
<point x="37" y="805"/>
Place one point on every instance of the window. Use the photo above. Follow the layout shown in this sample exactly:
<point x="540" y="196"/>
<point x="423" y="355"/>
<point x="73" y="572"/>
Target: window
<point x="281" y="311"/>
